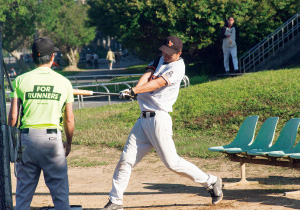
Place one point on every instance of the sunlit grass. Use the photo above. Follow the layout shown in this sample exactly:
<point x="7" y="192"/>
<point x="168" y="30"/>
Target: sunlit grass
<point x="207" y="114"/>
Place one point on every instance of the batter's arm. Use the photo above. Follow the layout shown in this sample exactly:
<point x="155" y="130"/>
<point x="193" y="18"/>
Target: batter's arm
<point x="145" y="78"/>
<point x="13" y="112"/>
<point x="68" y="126"/>
<point x="150" y="86"/>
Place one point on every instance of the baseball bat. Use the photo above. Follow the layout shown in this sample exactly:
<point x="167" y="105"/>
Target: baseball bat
<point x="92" y="93"/>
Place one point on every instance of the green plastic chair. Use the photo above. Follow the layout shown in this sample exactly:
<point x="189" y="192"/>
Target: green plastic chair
<point x="263" y="139"/>
<point x="244" y="136"/>
<point x="295" y="155"/>
<point x="285" y="141"/>
<point x="286" y="153"/>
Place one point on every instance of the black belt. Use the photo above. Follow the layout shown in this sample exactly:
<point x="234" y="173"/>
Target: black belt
<point x="152" y="114"/>
<point x="49" y="131"/>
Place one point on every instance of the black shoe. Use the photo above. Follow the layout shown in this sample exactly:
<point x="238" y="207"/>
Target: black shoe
<point x="112" y="206"/>
<point x="215" y="191"/>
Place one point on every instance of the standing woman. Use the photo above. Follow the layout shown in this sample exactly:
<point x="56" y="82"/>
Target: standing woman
<point x="110" y="57"/>
<point x="230" y="35"/>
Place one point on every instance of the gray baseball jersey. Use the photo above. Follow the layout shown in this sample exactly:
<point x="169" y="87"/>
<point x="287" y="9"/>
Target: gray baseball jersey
<point x="163" y="98"/>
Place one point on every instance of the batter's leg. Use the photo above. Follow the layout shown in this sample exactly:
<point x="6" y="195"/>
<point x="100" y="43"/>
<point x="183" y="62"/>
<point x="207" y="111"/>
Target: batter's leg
<point x="159" y="130"/>
<point x="137" y="146"/>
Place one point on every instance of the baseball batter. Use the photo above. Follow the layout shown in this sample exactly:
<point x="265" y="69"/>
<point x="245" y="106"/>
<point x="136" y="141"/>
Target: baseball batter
<point x="46" y="99"/>
<point x="157" y="91"/>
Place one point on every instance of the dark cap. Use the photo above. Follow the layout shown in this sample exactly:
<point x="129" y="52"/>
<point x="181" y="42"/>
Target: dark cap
<point x="43" y="46"/>
<point x="172" y="44"/>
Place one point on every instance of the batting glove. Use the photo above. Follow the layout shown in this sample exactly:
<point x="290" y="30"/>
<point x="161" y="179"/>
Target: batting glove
<point x="127" y="94"/>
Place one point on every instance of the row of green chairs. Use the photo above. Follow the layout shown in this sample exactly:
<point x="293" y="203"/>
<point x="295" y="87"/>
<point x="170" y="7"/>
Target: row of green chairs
<point x="244" y="142"/>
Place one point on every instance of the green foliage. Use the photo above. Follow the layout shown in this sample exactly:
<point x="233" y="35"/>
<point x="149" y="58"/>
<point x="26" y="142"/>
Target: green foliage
<point x="18" y="22"/>
<point x="142" y="25"/>
<point x="6" y="7"/>
<point x="48" y="14"/>
<point x="68" y="27"/>
<point x="65" y="21"/>
<point x="205" y="115"/>
<point x="71" y="29"/>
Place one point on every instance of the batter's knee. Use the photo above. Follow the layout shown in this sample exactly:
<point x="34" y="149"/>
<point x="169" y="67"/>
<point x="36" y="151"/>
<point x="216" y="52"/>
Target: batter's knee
<point x="126" y="161"/>
<point x="173" y="165"/>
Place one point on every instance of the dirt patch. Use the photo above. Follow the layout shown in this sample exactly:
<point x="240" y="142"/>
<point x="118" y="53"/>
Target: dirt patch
<point x="153" y="187"/>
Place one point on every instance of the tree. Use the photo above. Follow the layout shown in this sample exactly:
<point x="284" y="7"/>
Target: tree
<point x="70" y="30"/>
<point x="134" y="22"/>
<point x="62" y="20"/>
<point x="142" y="24"/>
<point x="18" y="27"/>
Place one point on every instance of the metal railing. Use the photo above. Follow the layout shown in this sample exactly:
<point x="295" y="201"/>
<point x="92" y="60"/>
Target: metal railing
<point x="185" y="83"/>
<point x="80" y="98"/>
<point x="96" y="78"/>
<point x="103" y="85"/>
<point x="10" y="59"/>
<point x="270" y="44"/>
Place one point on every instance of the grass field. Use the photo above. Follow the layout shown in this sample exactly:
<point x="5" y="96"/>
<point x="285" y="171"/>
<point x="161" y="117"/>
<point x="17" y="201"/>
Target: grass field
<point x="207" y="114"/>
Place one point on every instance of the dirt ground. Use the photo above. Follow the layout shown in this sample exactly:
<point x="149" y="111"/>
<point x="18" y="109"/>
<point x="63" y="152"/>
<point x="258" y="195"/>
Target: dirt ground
<point x="153" y="187"/>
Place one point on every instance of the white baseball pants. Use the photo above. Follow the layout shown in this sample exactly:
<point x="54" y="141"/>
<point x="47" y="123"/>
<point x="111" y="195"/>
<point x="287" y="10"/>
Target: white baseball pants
<point x="147" y="133"/>
<point x="226" y="53"/>
<point x="42" y="152"/>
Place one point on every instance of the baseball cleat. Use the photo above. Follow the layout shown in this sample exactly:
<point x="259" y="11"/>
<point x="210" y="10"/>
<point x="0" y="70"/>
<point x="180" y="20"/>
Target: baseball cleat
<point x="112" y="206"/>
<point x="215" y="191"/>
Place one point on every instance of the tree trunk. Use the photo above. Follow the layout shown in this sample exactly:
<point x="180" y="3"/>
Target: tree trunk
<point x="22" y="65"/>
<point x="72" y="56"/>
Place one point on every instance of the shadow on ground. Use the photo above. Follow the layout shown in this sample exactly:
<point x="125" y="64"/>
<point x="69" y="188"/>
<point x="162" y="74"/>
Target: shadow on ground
<point x="270" y="197"/>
